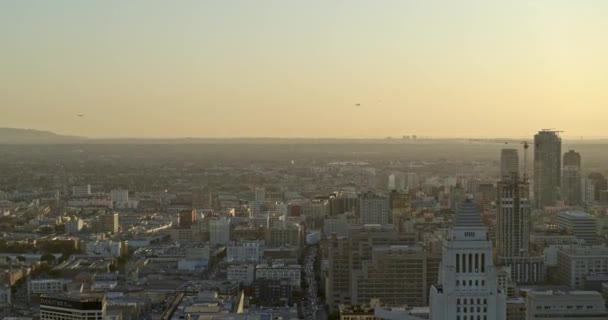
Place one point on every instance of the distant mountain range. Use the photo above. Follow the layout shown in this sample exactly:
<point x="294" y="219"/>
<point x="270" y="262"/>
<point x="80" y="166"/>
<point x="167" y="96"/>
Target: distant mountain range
<point x="17" y="136"/>
<point x="29" y="136"/>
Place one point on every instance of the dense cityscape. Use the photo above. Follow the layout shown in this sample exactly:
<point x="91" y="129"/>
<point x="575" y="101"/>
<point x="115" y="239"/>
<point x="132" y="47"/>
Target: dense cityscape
<point x="401" y="228"/>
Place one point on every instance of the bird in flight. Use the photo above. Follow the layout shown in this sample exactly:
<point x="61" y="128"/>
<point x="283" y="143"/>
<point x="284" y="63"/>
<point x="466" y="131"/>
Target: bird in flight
<point x="357" y="104"/>
<point x="80" y="115"/>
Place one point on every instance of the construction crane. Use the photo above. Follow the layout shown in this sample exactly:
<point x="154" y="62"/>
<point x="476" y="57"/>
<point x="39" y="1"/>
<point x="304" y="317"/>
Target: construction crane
<point x="525" y="144"/>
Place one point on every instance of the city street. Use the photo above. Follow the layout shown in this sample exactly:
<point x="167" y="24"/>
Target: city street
<point x="312" y="305"/>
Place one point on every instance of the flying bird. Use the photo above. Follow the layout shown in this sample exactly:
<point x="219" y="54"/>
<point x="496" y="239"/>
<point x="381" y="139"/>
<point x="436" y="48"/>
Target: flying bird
<point x="357" y="104"/>
<point x="80" y="115"/>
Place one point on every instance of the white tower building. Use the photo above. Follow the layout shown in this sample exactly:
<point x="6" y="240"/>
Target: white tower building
<point x="392" y="185"/>
<point x="468" y="288"/>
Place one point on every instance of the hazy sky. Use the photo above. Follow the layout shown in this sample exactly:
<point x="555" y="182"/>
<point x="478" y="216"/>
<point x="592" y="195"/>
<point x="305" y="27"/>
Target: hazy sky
<point x="297" y="68"/>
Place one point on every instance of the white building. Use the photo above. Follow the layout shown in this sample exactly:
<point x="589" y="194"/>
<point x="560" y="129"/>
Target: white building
<point x="106" y="248"/>
<point x="219" y="231"/>
<point x="46" y="286"/>
<point x="574" y="305"/>
<point x="392" y="185"/>
<point x="248" y="251"/>
<point x="574" y="263"/>
<point x="374" y="209"/>
<point x="468" y="287"/>
<point x="292" y="273"/>
<point x="5" y="295"/>
<point x="244" y="273"/>
<point x="81" y="191"/>
<point x="581" y="224"/>
<point x="73" y="225"/>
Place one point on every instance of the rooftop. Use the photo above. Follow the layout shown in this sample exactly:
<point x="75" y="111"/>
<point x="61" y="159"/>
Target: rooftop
<point x="467" y="216"/>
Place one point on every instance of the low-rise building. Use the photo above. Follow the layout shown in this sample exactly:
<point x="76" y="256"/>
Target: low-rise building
<point x="46" y="286"/>
<point x="269" y="292"/>
<point x="280" y="272"/>
<point x="244" y="273"/>
<point x="574" y="263"/>
<point x="104" y="248"/>
<point x="248" y="251"/>
<point x="574" y="305"/>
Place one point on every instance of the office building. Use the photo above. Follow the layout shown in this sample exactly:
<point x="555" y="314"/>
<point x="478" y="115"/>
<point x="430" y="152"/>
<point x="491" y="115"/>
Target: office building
<point x="73" y="307"/>
<point x="348" y="256"/>
<point x="513" y="218"/>
<point x="513" y="233"/>
<point x="260" y="195"/>
<point x="337" y="224"/>
<point x="187" y="218"/>
<point x="509" y="164"/>
<point x="272" y="292"/>
<point x="572" y="182"/>
<point x="105" y="248"/>
<point x="396" y="275"/>
<point x="119" y="196"/>
<point x="516" y="309"/>
<point x="574" y="263"/>
<point x="108" y="222"/>
<point x="412" y="181"/>
<point x="468" y="287"/>
<point x="547" y="168"/>
<point x="46" y="286"/>
<point x="5" y="295"/>
<point x="573" y="305"/>
<point x="595" y="184"/>
<point x="400" y="207"/>
<point x="374" y="208"/>
<point x="392" y="184"/>
<point x="73" y="224"/>
<point x="81" y="191"/>
<point x="291" y="273"/>
<point x="572" y="158"/>
<point x="219" y="231"/>
<point x="248" y="251"/>
<point x="285" y="235"/>
<point x="579" y="223"/>
<point x="242" y="273"/>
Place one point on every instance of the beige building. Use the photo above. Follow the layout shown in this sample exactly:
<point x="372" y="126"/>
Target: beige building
<point x="347" y="257"/>
<point x="396" y="275"/>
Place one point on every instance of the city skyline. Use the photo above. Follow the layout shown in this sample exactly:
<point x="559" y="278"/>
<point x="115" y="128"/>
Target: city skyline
<point x="314" y="69"/>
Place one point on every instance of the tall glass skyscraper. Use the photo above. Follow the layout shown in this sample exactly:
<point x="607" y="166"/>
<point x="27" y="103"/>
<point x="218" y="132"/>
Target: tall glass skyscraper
<point x="547" y="168"/>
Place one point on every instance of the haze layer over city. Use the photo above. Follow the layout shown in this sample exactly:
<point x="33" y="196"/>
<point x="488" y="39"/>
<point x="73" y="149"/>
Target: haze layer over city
<point x="315" y="160"/>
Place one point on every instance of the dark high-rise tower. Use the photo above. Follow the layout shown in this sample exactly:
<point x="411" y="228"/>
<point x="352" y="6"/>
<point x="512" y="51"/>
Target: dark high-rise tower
<point x="596" y="183"/>
<point x="572" y="183"/>
<point x="572" y="158"/>
<point x="547" y="167"/>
